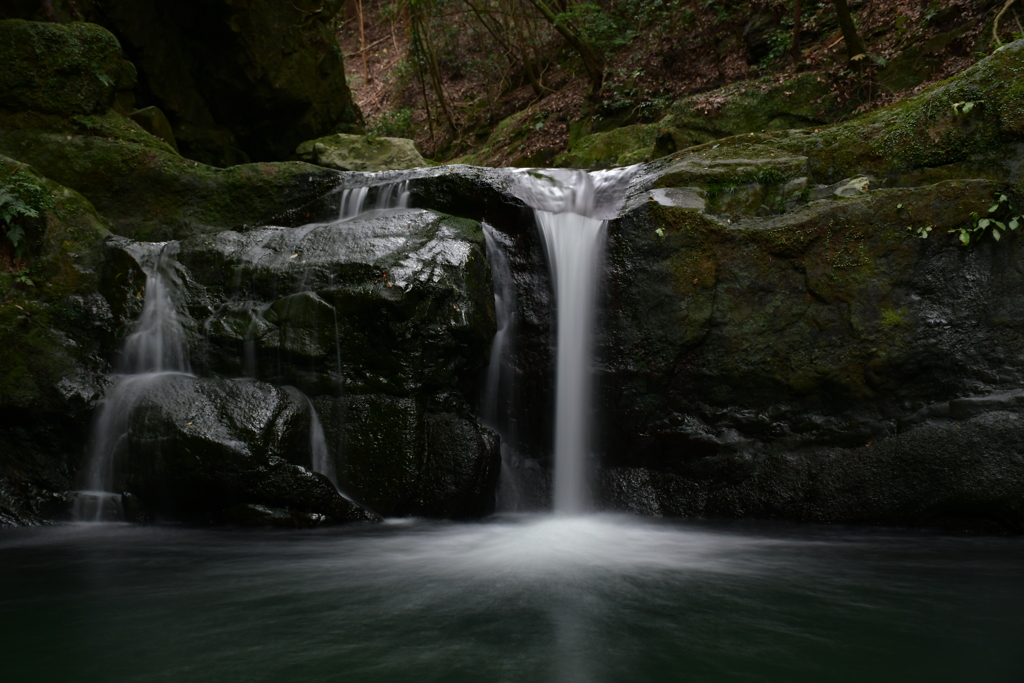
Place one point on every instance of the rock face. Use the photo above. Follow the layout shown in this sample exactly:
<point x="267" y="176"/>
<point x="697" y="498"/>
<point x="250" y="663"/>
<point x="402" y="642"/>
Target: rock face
<point x="361" y="153"/>
<point x="259" y="78"/>
<point x="237" y="81"/>
<point x="793" y="348"/>
<point x="799" y="324"/>
<point x="60" y="316"/>
<point x="385" y="322"/>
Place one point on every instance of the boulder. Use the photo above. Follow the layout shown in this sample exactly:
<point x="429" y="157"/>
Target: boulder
<point x="199" y="449"/>
<point x="63" y="70"/>
<point x="368" y="154"/>
<point x="385" y="322"/>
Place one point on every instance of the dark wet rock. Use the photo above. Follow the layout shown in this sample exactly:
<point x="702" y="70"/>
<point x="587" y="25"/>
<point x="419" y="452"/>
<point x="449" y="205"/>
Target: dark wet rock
<point x="402" y="457"/>
<point x="196" y="448"/>
<point x="385" y="321"/>
<point x="948" y="474"/>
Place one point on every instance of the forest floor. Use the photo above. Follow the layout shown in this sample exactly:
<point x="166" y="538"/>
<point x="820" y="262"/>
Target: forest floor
<point x="655" y="53"/>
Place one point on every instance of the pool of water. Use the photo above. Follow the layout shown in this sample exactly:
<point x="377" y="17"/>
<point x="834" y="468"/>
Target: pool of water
<point x="524" y="598"/>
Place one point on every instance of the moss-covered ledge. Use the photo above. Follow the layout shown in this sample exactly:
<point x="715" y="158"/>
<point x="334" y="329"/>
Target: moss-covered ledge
<point x="146" y="190"/>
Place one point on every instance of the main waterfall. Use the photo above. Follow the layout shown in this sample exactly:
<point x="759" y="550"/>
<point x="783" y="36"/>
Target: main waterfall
<point x="571" y="209"/>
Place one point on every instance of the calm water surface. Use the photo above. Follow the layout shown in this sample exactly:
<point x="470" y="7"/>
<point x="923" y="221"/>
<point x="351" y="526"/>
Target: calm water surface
<point x="535" y="598"/>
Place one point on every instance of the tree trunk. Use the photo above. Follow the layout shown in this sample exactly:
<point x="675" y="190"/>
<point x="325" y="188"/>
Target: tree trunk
<point x="796" y="33"/>
<point x="592" y="60"/>
<point x="854" y="44"/>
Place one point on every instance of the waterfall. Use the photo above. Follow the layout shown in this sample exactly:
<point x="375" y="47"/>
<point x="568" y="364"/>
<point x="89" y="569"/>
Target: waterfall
<point x="521" y="484"/>
<point x="574" y="245"/>
<point x="155" y="348"/>
<point x="498" y="386"/>
<point x="570" y="208"/>
<point x="388" y="196"/>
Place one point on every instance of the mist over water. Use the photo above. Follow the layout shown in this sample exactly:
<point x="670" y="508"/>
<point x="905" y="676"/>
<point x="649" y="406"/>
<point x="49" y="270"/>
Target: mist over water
<point x="518" y="599"/>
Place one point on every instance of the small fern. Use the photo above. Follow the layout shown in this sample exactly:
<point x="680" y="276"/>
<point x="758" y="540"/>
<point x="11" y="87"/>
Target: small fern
<point x="21" y="200"/>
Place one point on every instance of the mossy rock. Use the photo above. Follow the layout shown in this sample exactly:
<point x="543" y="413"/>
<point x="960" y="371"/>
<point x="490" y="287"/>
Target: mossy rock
<point x="64" y="303"/>
<point x="146" y="190"/>
<point x="932" y="130"/>
<point x="736" y="109"/>
<point x="367" y="153"/>
<point x="67" y="70"/>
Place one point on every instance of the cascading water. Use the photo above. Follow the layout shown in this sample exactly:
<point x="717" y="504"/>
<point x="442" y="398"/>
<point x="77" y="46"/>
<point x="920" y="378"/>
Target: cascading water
<point x="574" y="245"/>
<point x="571" y="208"/>
<point x="497" y="389"/>
<point x="388" y="196"/>
<point x="156" y="348"/>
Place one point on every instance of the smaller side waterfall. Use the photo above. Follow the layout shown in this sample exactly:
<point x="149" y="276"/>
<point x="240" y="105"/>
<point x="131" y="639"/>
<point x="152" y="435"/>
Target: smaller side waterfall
<point x="156" y="348"/>
<point x="498" y="388"/>
<point x="158" y="342"/>
<point x="522" y="485"/>
<point x="356" y="201"/>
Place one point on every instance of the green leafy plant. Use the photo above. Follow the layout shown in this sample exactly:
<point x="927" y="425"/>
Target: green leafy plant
<point x="20" y="201"/>
<point x="965" y="107"/>
<point x="397" y="124"/>
<point x="21" y="277"/>
<point x="921" y="231"/>
<point x="1011" y="220"/>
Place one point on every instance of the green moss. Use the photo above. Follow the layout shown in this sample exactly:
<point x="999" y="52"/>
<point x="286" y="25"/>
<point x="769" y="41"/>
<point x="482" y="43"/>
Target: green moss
<point x="144" y="188"/>
<point x="892" y="318"/>
<point x="61" y="259"/>
<point x="61" y="69"/>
